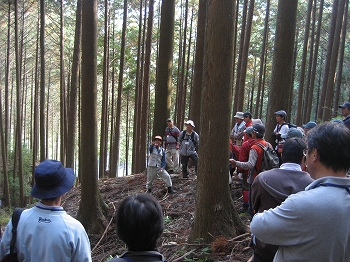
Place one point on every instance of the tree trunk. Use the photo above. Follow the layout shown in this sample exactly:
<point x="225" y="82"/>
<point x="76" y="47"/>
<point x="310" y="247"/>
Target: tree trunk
<point x="138" y="92"/>
<point x="4" y="121"/>
<point x="314" y="63"/>
<point x="328" y="60"/>
<point x="239" y="62"/>
<point x="74" y="86"/>
<point x="115" y="156"/>
<point x="104" y="110"/>
<point x="164" y="66"/>
<point x="341" y="59"/>
<point x="63" y="102"/>
<point x="327" y="111"/>
<point x="18" y="141"/>
<point x="90" y="194"/>
<point x="214" y="212"/>
<point x="244" y="58"/>
<point x="195" y="99"/>
<point x="301" y="95"/>
<point x="42" y="122"/>
<point x="145" y="88"/>
<point x="283" y="62"/>
<point x="259" y="96"/>
<point x="306" y="105"/>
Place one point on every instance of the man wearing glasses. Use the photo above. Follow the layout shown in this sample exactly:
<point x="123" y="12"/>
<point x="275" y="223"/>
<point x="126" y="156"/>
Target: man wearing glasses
<point x="314" y="225"/>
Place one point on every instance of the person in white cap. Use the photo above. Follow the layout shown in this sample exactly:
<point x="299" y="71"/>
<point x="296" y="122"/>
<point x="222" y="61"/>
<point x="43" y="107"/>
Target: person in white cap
<point x="46" y="232"/>
<point x="237" y="131"/>
<point x="189" y="141"/>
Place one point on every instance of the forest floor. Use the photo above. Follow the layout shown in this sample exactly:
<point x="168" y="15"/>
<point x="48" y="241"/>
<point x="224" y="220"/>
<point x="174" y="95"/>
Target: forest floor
<point x="178" y="211"/>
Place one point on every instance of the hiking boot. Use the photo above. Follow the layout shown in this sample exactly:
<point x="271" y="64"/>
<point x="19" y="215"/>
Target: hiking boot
<point x="149" y="191"/>
<point x="170" y="190"/>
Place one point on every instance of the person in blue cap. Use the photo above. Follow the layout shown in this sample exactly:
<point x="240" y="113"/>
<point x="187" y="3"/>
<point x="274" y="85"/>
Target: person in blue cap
<point x="308" y="126"/>
<point x="345" y="111"/>
<point x="46" y="232"/>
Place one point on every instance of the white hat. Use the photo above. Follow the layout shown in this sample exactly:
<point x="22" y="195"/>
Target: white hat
<point x="239" y="115"/>
<point x="189" y="122"/>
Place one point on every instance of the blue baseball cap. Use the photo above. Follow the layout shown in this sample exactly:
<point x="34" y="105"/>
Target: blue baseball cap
<point x="310" y="125"/>
<point x="345" y="105"/>
<point x="293" y="132"/>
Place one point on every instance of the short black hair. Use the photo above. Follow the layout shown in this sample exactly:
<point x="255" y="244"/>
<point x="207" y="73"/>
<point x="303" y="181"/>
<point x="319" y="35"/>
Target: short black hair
<point x="293" y="150"/>
<point x="332" y="142"/>
<point x="140" y="222"/>
<point x="245" y="114"/>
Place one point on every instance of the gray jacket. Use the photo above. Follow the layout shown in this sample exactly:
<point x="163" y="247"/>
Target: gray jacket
<point x="188" y="143"/>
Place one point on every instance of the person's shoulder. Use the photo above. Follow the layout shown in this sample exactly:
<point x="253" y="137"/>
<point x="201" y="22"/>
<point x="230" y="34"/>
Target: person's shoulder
<point x="72" y="223"/>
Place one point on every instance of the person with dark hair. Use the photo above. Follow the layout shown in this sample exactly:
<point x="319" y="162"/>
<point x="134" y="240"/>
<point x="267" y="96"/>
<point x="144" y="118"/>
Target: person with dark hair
<point x="272" y="187"/>
<point x="172" y="145"/>
<point x="314" y="225"/>
<point x="248" y="121"/>
<point x="280" y="129"/>
<point x="156" y="165"/>
<point x="345" y="111"/>
<point x="140" y="223"/>
<point x="254" y="161"/>
<point x="46" y="232"/>
<point x="244" y="157"/>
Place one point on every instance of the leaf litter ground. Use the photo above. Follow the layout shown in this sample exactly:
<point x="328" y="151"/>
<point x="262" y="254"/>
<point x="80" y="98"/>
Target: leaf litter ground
<point x="178" y="211"/>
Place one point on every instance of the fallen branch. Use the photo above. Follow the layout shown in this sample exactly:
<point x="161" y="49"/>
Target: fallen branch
<point x="238" y="237"/>
<point x="183" y="256"/>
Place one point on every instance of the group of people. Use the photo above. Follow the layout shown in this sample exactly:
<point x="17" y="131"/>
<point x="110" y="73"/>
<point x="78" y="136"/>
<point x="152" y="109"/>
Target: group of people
<point x="301" y="207"/>
<point x="165" y="153"/>
<point x="46" y="232"/>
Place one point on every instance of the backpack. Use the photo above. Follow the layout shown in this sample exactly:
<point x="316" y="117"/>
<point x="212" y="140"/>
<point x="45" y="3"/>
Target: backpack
<point x="270" y="159"/>
<point x="15" y="218"/>
<point x="184" y="133"/>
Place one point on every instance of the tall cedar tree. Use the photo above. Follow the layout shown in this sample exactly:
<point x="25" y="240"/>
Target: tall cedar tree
<point x="74" y="84"/>
<point x="195" y="99"/>
<point x="214" y="213"/>
<point x="282" y="67"/>
<point x="164" y="67"/>
<point x="90" y="194"/>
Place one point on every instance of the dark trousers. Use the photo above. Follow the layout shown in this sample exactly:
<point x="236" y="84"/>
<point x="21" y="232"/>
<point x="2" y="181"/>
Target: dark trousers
<point x="184" y="162"/>
<point x="258" y="258"/>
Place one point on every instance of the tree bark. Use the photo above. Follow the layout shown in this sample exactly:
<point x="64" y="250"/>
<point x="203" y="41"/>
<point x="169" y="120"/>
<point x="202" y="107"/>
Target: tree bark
<point x="90" y="194"/>
<point x="74" y="87"/>
<point x="283" y="62"/>
<point x="195" y="99"/>
<point x="214" y="212"/>
<point x="327" y="111"/>
<point x="164" y="66"/>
